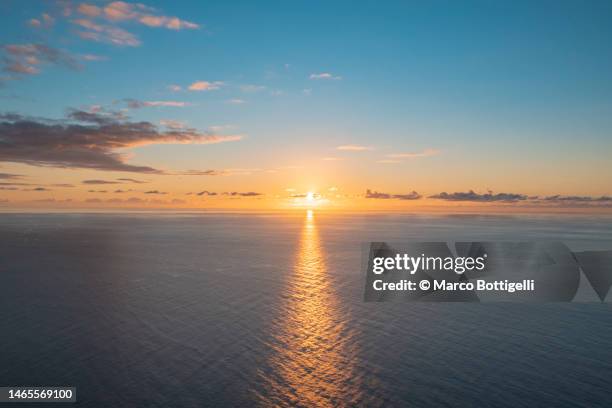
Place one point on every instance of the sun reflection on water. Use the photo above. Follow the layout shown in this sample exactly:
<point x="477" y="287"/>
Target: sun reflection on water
<point x="314" y="351"/>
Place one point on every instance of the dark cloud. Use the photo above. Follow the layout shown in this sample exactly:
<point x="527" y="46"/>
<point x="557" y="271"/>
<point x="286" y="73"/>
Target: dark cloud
<point x="131" y="180"/>
<point x="96" y="191"/>
<point x="202" y="173"/>
<point x="99" y="182"/>
<point x="27" y="59"/>
<point x="37" y="189"/>
<point x="155" y="192"/>
<point x="578" y="199"/>
<point x="245" y="194"/>
<point x="87" y="140"/>
<point x="10" y="176"/>
<point x="487" y="197"/>
<point x="206" y="192"/>
<point x="384" y="196"/>
<point x="62" y="185"/>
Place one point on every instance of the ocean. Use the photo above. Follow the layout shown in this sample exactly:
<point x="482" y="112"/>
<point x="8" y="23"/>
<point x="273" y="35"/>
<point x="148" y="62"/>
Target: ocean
<point x="229" y="309"/>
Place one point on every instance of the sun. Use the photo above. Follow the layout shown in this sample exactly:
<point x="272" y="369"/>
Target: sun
<point x="310" y="196"/>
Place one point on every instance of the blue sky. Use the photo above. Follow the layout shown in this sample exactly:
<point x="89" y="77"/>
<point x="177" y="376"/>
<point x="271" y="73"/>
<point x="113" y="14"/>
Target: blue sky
<point x="492" y="87"/>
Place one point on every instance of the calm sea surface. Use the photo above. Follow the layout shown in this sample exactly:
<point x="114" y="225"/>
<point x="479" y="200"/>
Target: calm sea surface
<point x="198" y="310"/>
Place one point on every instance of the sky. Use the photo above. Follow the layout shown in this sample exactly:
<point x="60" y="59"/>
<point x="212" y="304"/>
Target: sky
<point x="271" y="105"/>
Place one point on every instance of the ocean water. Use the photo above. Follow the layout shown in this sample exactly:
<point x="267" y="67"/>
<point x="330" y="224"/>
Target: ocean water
<point x="199" y="310"/>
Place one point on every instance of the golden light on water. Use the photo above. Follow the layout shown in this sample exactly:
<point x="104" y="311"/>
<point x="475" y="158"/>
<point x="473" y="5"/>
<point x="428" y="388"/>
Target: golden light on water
<point x="314" y="350"/>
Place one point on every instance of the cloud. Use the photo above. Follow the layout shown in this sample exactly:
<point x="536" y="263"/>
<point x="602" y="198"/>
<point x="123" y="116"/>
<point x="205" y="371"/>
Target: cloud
<point x="118" y="12"/>
<point x="93" y="57"/>
<point x="353" y="148"/>
<point x="205" y="86"/>
<point x="246" y="194"/>
<point x="172" y="124"/>
<point x="27" y="59"/>
<point x="89" y="10"/>
<point x="131" y="180"/>
<point x="424" y="153"/>
<point x="44" y="21"/>
<point x="155" y="192"/>
<point x="136" y="104"/>
<point x="325" y="75"/>
<point x="206" y="192"/>
<point x="384" y="196"/>
<point x="201" y="173"/>
<point x="175" y="88"/>
<point x="487" y="197"/>
<point x="88" y="140"/>
<point x="10" y="176"/>
<point x="236" y="101"/>
<point x="98" y="182"/>
<point x="105" y="33"/>
<point x="561" y="198"/>
<point x="388" y="161"/>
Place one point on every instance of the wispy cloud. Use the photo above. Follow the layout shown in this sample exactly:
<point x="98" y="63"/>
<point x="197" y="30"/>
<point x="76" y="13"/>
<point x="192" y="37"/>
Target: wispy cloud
<point x="236" y="101"/>
<point x="97" y="182"/>
<point x="105" y="33"/>
<point x="413" y="155"/>
<point x="577" y="199"/>
<point x="385" y="196"/>
<point x="244" y="194"/>
<point x="325" y="76"/>
<point x="202" y="173"/>
<point x="205" y="86"/>
<point x="473" y="196"/>
<point x="27" y="59"/>
<point x="131" y="180"/>
<point x="172" y="124"/>
<point x="88" y="140"/>
<point x="353" y="148"/>
<point x="93" y="57"/>
<point x="44" y="21"/>
<point x="206" y="192"/>
<point x="136" y="104"/>
<point x="101" y="22"/>
<point x="10" y="176"/>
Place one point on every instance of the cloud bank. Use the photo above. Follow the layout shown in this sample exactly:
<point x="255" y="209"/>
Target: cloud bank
<point x="88" y="140"/>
